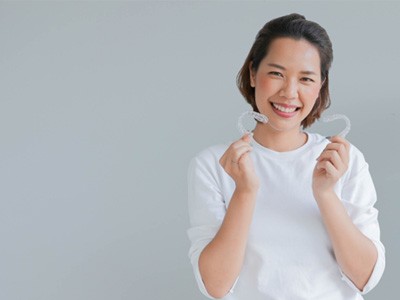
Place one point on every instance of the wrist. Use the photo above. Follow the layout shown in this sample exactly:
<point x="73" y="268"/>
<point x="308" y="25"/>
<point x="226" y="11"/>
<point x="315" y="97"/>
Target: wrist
<point x="246" y="191"/>
<point x="323" y="195"/>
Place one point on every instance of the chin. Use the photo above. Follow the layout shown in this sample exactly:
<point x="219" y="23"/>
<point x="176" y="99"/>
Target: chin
<point x="284" y="126"/>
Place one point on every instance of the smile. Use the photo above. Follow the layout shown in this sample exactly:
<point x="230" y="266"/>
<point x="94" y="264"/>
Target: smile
<point x="285" y="109"/>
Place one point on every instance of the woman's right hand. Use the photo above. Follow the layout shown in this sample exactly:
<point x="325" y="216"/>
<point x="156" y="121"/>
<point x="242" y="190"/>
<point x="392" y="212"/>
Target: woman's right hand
<point x="237" y="162"/>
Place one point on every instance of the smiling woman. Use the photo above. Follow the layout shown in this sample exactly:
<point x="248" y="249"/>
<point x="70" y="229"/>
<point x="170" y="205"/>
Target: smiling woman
<point x="288" y="214"/>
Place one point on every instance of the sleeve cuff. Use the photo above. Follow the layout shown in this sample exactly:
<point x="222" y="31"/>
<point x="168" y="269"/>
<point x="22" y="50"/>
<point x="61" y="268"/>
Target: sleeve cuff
<point x="195" y="263"/>
<point x="376" y="273"/>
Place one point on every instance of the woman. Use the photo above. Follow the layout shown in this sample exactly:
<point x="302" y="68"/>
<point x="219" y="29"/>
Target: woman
<point x="288" y="215"/>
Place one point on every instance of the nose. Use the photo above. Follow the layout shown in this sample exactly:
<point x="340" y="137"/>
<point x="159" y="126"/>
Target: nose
<point x="289" y="89"/>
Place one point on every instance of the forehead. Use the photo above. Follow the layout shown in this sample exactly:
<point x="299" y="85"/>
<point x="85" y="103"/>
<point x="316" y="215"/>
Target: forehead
<point x="294" y="54"/>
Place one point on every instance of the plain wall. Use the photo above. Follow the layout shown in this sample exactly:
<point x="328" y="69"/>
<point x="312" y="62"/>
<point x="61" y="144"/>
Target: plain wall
<point x="102" y="105"/>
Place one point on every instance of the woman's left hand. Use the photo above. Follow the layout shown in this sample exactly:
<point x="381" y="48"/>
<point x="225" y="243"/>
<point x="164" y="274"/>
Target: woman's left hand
<point x="331" y="165"/>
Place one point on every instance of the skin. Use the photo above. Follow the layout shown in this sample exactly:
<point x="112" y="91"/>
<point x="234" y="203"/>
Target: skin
<point x="288" y="75"/>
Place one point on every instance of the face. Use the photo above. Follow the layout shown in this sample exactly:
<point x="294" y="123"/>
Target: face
<point x="287" y="83"/>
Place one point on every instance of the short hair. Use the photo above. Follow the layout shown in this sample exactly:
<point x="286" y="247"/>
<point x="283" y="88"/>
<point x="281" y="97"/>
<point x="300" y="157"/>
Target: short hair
<point x="297" y="27"/>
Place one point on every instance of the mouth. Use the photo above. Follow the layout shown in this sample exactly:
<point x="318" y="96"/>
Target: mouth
<point x="284" y="110"/>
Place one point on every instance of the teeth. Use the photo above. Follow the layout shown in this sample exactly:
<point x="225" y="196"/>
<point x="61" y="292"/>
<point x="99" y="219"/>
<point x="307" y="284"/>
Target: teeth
<point x="284" y="109"/>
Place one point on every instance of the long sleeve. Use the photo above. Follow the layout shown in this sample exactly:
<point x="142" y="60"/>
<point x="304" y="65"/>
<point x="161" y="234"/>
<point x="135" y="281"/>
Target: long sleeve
<point x="359" y="196"/>
<point x="206" y="210"/>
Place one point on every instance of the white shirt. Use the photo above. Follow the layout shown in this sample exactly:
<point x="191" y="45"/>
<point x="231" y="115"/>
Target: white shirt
<point x="289" y="254"/>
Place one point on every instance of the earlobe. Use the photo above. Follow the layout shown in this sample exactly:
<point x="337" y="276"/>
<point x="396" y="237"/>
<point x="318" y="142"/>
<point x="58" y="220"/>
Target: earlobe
<point x="252" y="84"/>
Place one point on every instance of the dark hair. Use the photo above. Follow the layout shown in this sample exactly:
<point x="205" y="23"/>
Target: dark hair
<point x="297" y="27"/>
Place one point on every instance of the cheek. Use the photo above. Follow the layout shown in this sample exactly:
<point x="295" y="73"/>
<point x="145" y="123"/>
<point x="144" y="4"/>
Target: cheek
<point x="268" y="84"/>
<point x="311" y="94"/>
<point x="266" y="87"/>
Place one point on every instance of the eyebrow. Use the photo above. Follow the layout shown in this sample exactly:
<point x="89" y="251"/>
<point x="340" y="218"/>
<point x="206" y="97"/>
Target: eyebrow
<point x="283" y="68"/>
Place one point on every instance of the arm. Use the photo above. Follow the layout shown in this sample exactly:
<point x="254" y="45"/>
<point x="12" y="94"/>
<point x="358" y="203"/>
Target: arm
<point x="218" y="233"/>
<point x="221" y="260"/>
<point x="351" y="220"/>
<point x="354" y="252"/>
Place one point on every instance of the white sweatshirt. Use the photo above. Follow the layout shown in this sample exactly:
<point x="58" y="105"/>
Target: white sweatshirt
<point x="289" y="254"/>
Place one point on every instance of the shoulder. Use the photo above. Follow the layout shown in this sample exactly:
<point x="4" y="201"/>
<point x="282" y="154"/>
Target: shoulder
<point x="357" y="162"/>
<point x="214" y="151"/>
<point x="208" y="158"/>
<point x="210" y="154"/>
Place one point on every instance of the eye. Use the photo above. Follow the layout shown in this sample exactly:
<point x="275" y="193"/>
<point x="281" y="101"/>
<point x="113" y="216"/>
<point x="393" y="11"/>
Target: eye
<point x="307" y="79"/>
<point x="274" y="73"/>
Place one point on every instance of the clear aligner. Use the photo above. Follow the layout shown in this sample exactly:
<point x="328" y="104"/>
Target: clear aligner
<point x="259" y="117"/>
<point x="330" y="118"/>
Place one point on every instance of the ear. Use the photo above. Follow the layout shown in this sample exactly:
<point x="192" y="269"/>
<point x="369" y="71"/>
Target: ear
<point x="252" y="75"/>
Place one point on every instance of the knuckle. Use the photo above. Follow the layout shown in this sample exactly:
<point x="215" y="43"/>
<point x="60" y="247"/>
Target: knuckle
<point x="234" y="144"/>
<point x="237" y="145"/>
<point x="330" y="153"/>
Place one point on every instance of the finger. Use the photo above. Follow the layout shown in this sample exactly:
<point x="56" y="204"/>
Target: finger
<point x="333" y="157"/>
<point x="247" y="137"/>
<point x="235" y="157"/>
<point x="340" y="140"/>
<point x="344" y="153"/>
<point x="240" y="162"/>
<point x="222" y="160"/>
<point x="243" y="161"/>
<point x="238" y="144"/>
<point x="341" y="149"/>
<point x="244" y="140"/>
<point x="235" y="145"/>
<point x="327" y="166"/>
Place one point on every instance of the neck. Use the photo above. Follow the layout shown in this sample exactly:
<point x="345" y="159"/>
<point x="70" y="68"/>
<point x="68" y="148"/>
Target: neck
<point x="280" y="141"/>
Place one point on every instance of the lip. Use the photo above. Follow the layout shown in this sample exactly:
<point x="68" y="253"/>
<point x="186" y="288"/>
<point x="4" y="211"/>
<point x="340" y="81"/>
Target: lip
<point x="285" y="105"/>
<point x="285" y="114"/>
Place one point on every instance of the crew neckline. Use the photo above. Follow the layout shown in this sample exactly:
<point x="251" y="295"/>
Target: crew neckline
<point x="286" y="154"/>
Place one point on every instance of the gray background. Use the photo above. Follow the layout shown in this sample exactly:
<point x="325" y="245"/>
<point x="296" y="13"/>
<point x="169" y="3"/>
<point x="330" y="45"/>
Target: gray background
<point x="102" y="105"/>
